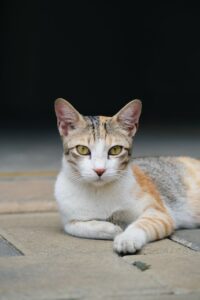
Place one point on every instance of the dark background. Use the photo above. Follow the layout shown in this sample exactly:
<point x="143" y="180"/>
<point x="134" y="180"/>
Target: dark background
<point x="99" y="55"/>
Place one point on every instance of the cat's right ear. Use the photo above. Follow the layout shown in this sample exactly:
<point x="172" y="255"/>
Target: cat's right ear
<point x="68" y="118"/>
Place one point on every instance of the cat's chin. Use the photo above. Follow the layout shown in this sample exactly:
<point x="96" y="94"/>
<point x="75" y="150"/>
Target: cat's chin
<point x="101" y="182"/>
<point x="98" y="183"/>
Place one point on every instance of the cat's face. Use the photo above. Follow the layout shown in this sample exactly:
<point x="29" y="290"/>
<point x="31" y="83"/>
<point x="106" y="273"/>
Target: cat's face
<point x="97" y="149"/>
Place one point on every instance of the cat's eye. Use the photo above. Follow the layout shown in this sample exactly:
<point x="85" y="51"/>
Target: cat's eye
<point x="83" y="150"/>
<point x="115" y="150"/>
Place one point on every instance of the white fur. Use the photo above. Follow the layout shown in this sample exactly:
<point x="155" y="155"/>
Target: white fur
<point x="183" y="216"/>
<point x="93" y="229"/>
<point x="88" y="202"/>
<point x="98" y="160"/>
<point x="85" y="208"/>
<point x="131" y="240"/>
<point x="85" y="201"/>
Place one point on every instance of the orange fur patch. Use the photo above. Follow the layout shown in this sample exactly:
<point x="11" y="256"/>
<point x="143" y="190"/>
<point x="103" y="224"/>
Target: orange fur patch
<point x="167" y="224"/>
<point x="149" y="187"/>
<point x="156" y="227"/>
<point x="149" y="226"/>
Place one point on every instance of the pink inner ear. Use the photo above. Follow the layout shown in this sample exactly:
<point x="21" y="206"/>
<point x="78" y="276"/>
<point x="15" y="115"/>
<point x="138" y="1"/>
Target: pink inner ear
<point x="129" y="117"/>
<point x="66" y="118"/>
<point x="63" y="128"/>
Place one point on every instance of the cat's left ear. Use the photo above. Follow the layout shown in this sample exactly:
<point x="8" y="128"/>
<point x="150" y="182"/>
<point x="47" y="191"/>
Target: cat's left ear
<point x="128" y="116"/>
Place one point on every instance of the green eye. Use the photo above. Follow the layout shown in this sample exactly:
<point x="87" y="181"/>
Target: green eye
<point x="115" y="150"/>
<point x="83" y="150"/>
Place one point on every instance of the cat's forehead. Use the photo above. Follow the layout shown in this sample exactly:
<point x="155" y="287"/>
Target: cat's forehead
<point x="98" y="126"/>
<point x="97" y="132"/>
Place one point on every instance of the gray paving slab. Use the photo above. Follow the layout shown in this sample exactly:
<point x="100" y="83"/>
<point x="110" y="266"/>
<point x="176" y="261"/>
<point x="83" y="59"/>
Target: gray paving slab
<point x="27" y="193"/>
<point x="74" y="276"/>
<point x="59" y="266"/>
<point x="159" y="297"/>
<point x="163" y="247"/>
<point x="189" y="238"/>
<point x="7" y="249"/>
<point x="180" y="273"/>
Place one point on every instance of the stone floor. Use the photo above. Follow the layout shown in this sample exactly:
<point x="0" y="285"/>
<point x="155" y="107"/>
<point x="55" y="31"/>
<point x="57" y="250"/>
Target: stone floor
<point x="38" y="261"/>
<point x="51" y="265"/>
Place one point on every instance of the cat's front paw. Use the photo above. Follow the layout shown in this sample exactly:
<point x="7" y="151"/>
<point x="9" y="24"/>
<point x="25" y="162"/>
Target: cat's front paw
<point x="129" y="241"/>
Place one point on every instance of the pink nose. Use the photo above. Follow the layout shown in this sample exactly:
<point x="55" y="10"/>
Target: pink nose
<point x="100" y="171"/>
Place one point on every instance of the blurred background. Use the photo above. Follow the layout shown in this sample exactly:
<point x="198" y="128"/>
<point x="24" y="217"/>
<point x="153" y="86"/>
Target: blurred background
<point x="98" y="55"/>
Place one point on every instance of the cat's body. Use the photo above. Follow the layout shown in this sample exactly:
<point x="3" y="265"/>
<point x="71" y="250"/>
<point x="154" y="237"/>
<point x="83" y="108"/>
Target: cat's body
<point x="105" y="195"/>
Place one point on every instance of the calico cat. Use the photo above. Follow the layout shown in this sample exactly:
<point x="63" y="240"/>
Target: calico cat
<point x="102" y="193"/>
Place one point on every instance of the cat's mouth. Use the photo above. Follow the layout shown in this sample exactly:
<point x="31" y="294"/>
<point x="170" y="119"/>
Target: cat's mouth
<point x="99" y="181"/>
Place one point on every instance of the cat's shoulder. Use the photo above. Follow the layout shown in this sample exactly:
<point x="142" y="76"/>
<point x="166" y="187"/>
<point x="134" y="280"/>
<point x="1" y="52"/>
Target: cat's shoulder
<point x="168" y="168"/>
<point x="154" y="161"/>
<point x="164" y="161"/>
<point x="155" y="167"/>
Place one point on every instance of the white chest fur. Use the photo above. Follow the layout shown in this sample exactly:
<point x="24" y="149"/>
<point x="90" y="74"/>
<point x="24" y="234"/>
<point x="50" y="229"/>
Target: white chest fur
<point x="78" y="201"/>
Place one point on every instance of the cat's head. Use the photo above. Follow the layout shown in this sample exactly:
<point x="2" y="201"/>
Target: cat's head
<point x="97" y="148"/>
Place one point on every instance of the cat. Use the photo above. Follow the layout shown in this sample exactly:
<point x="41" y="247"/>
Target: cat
<point x="103" y="193"/>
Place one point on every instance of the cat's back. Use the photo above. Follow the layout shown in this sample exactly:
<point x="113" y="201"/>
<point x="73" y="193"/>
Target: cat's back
<point x="160" y="168"/>
<point x="177" y="180"/>
<point x="170" y="174"/>
<point x="166" y="173"/>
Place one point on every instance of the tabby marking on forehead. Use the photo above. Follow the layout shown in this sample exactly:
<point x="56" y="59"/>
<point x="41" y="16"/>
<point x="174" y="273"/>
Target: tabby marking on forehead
<point x="98" y="126"/>
<point x="103" y="126"/>
<point x="94" y="125"/>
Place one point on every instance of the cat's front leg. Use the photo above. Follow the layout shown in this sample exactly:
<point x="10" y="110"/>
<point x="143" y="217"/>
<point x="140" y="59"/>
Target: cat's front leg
<point x="92" y="229"/>
<point x="149" y="227"/>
